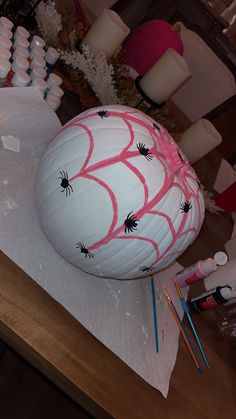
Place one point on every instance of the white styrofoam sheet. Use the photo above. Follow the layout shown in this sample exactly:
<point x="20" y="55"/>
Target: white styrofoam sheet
<point x="118" y="313"/>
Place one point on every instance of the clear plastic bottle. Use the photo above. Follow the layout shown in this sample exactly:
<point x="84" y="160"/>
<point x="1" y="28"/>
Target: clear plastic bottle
<point x="195" y="272"/>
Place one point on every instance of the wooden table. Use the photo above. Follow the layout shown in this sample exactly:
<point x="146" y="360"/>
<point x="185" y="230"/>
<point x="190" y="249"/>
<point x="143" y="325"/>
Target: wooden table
<point x="45" y="334"/>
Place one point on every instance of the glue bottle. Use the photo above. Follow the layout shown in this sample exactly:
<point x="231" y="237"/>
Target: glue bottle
<point x="213" y="298"/>
<point x="195" y="272"/>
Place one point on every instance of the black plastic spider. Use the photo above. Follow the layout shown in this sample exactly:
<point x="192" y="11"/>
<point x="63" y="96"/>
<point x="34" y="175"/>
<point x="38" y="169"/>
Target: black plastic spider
<point x="156" y="126"/>
<point x="103" y="114"/>
<point x="83" y="250"/>
<point x="65" y="182"/>
<point x="144" y="151"/>
<point x="186" y="206"/>
<point x="146" y="269"/>
<point x="130" y="223"/>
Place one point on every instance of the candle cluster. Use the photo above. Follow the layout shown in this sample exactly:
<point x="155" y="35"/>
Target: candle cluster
<point x="25" y="61"/>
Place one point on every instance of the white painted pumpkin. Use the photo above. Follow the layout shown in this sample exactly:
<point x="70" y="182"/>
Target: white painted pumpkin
<point x="115" y="195"/>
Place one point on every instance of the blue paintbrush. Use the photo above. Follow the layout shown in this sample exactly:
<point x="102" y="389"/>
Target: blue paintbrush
<point x="186" y="311"/>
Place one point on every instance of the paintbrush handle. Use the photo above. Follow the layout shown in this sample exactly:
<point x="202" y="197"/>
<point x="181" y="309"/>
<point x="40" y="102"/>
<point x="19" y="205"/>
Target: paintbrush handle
<point x="171" y="305"/>
<point x="197" y="340"/>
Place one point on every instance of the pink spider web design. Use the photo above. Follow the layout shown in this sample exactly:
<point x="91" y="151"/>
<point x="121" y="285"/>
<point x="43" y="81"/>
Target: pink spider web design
<point x="165" y="150"/>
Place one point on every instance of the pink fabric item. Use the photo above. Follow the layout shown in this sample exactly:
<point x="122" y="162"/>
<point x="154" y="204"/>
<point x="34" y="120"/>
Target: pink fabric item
<point x="146" y="44"/>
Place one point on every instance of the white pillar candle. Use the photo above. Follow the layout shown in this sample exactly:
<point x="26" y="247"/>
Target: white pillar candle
<point x="165" y="76"/>
<point x="199" y="139"/>
<point x="225" y="275"/>
<point x="106" y="34"/>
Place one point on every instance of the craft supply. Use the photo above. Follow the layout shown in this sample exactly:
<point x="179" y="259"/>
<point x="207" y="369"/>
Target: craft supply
<point x="56" y="91"/>
<point x="4" y="70"/>
<point x="37" y="61"/>
<point x="38" y="72"/>
<point x="20" y="52"/>
<point x="51" y="58"/>
<point x="195" y="272"/>
<point x="5" y="32"/>
<point x="5" y="42"/>
<point x="154" y="313"/>
<point x="5" y="53"/>
<point x="40" y="83"/>
<point x="37" y="51"/>
<point x="20" y="79"/>
<point x="54" y="79"/>
<point x="186" y="311"/>
<point x="165" y="77"/>
<point x="7" y="23"/>
<point x="20" y="30"/>
<point x="10" y="143"/>
<point x="220" y="258"/>
<point x="20" y="63"/>
<point x="223" y="276"/>
<point x="199" y="139"/>
<point x="106" y="34"/>
<point x="20" y="41"/>
<point x="37" y="41"/>
<point x="53" y="101"/>
<point x="213" y="298"/>
<point x="180" y="326"/>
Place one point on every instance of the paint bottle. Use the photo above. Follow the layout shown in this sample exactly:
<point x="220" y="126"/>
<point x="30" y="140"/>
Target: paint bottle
<point x="37" y="41"/>
<point x="213" y="298"/>
<point x="20" y="30"/>
<point x="53" y="101"/>
<point x="20" y="79"/>
<point x="5" y="53"/>
<point x="37" y="52"/>
<point x="56" y="91"/>
<point x="18" y="64"/>
<point x="54" y="79"/>
<point x="40" y="83"/>
<point x="21" y="52"/>
<point x="7" y="23"/>
<point x="37" y="61"/>
<point x="51" y="58"/>
<point x="20" y="41"/>
<point x="225" y="274"/>
<point x="5" y="67"/>
<point x="5" y="42"/>
<point x="195" y="272"/>
<point x="37" y="72"/>
<point x="5" y="32"/>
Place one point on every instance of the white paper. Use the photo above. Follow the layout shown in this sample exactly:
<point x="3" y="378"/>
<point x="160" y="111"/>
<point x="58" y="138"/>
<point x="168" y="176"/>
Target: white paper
<point x="118" y="313"/>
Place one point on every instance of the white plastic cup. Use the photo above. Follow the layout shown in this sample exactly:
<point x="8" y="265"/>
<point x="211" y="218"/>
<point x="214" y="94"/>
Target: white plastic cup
<point x="54" y="79"/>
<point x="37" y="41"/>
<point x="38" y="72"/>
<point x="20" y="30"/>
<point x="21" y="52"/>
<point x="56" y="91"/>
<point x="5" y="53"/>
<point x="40" y="83"/>
<point x="5" y="42"/>
<point x="20" y="78"/>
<point x="5" y="32"/>
<point x="53" y="101"/>
<point x="20" y="41"/>
<point x="37" y="51"/>
<point x="7" y="23"/>
<point x="5" y="67"/>
<point x="20" y="64"/>
<point x="38" y="61"/>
